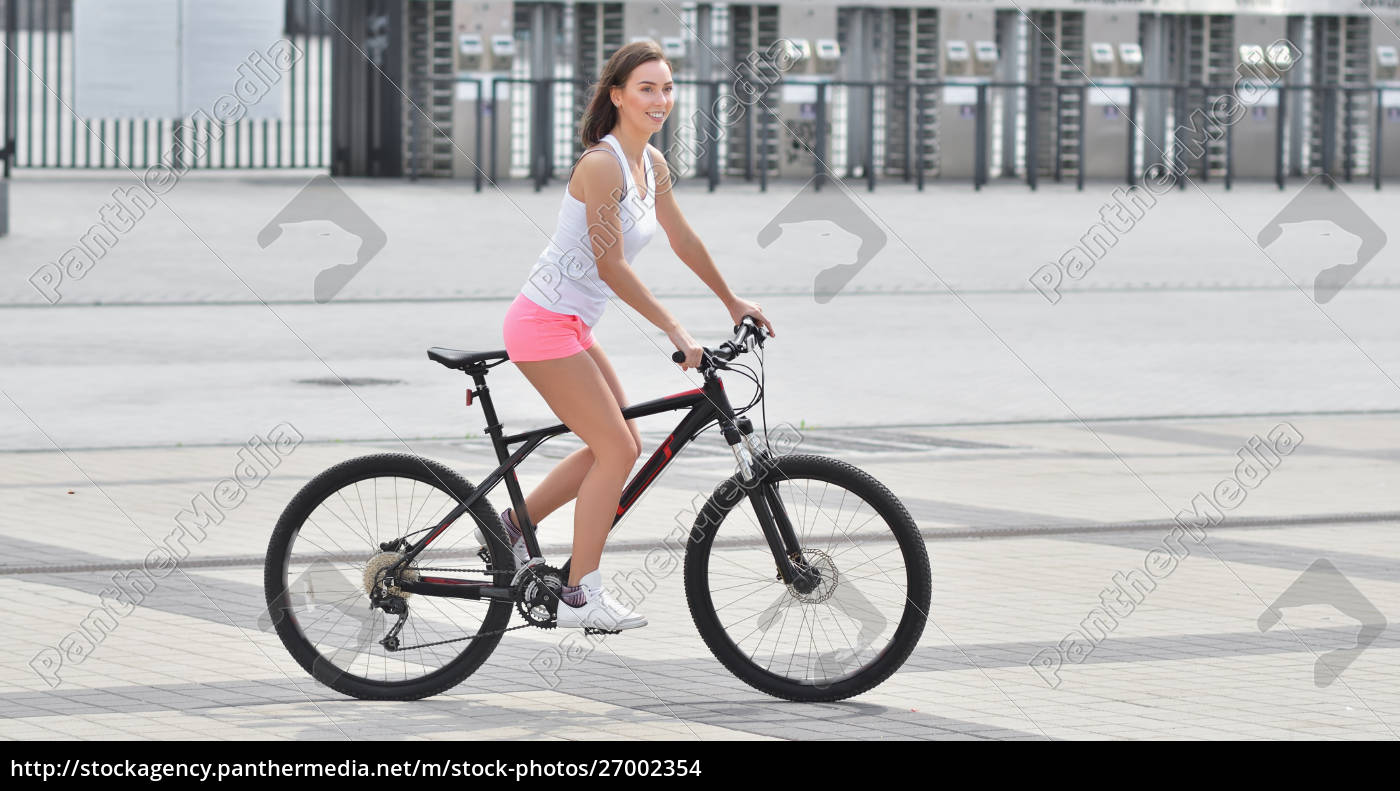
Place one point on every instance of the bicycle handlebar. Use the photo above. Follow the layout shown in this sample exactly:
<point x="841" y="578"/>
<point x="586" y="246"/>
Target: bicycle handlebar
<point x="747" y="334"/>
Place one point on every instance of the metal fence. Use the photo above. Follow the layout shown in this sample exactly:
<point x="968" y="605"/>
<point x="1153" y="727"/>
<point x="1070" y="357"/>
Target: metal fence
<point x="43" y="131"/>
<point x="707" y="142"/>
<point x="8" y="72"/>
<point x="862" y="131"/>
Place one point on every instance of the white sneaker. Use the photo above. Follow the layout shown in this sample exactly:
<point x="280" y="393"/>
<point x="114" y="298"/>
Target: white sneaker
<point x="601" y="611"/>
<point x="522" y="555"/>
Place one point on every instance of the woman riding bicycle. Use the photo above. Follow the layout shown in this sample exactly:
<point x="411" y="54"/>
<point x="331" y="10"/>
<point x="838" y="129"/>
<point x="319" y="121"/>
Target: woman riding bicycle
<point x="610" y="210"/>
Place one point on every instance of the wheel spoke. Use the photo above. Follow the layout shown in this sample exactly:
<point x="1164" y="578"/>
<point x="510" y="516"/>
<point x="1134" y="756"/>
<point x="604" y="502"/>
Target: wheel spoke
<point x="324" y="590"/>
<point x="841" y="627"/>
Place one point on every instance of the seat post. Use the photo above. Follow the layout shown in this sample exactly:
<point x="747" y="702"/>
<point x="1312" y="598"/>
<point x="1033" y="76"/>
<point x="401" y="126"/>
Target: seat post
<point x="493" y="425"/>
<point x="497" y="433"/>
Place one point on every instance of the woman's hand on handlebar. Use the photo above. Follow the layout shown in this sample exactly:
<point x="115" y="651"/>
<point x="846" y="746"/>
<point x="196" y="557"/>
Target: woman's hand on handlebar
<point x="687" y="346"/>
<point x="740" y="308"/>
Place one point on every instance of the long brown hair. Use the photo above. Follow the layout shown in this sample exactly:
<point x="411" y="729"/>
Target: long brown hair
<point x="600" y="116"/>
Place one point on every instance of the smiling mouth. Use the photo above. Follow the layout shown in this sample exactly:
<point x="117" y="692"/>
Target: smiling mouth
<point x="657" y="116"/>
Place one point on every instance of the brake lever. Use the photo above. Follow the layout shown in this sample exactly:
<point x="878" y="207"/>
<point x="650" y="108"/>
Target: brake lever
<point x="748" y="327"/>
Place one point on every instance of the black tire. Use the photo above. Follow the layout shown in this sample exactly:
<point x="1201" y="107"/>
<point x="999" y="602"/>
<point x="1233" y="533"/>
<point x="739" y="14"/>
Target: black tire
<point x="334" y="571"/>
<point x="745" y="541"/>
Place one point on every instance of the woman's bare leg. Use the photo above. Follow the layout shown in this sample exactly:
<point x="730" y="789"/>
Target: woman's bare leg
<point x="559" y="486"/>
<point x="562" y="483"/>
<point x="578" y="393"/>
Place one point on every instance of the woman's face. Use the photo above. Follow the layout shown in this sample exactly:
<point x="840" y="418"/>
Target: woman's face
<point x="645" y="101"/>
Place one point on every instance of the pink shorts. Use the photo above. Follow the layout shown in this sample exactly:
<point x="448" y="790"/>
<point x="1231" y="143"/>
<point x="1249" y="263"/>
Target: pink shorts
<point x="534" y="333"/>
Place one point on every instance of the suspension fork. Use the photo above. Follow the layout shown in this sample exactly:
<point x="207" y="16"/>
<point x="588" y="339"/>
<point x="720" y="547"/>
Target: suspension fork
<point x="782" y="541"/>
<point x="755" y="471"/>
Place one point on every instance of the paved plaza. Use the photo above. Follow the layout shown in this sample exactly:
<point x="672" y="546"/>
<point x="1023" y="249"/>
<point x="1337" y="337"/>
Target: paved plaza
<point x="1048" y="452"/>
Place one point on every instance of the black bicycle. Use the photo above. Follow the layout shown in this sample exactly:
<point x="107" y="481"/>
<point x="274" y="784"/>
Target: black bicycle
<point x="805" y="576"/>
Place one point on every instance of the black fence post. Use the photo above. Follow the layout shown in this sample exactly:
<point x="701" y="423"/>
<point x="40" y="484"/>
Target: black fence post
<point x="1380" y="139"/>
<point x="979" y="148"/>
<point x="919" y="139"/>
<point x="7" y="132"/>
<point x="1230" y="149"/>
<point x="1348" y="150"/>
<point x="1208" y="135"/>
<point x="714" y="138"/>
<point x="1032" y="130"/>
<point x="495" y="127"/>
<point x="413" y="132"/>
<point x="819" y="158"/>
<point x="1280" y="125"/>
<point x="1079" y="149"/>
<point x="1329" y="128"/>
<point x="7" y="136"/>
<point x="479" y="131"/>
<point x="667" y="132"/>
<point x="909" y="123"/>
<point x="538" y="131"/>
<point x="870" y="138"/>
<point x="749" y="133"/>
<point x="1132" y="135"/>
<point x="1178" y="153"/>
<point x="767" y="111"/>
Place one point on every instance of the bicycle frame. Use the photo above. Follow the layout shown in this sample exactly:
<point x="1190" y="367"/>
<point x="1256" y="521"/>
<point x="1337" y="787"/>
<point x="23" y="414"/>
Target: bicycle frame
<point x="705" y="403"/>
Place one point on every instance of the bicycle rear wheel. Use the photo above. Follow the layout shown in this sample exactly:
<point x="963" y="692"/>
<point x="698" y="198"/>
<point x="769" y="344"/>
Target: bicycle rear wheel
<point x="845" y="636"/>
<point x="316" y="581"/>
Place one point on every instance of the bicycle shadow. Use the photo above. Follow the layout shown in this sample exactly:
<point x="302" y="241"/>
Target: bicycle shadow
<point x="697" y="697"/>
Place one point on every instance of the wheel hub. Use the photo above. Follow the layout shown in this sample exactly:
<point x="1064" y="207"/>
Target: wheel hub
<point x="376" y="569"/>
<point x="819" y="565"/>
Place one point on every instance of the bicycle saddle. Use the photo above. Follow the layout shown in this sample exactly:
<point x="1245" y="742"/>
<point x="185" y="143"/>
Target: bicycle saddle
<point x="461" y="360"/>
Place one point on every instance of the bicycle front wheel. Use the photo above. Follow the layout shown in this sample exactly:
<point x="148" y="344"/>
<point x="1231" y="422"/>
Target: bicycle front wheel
<point x="839" y="639"/>
<point x="323" y="560"/>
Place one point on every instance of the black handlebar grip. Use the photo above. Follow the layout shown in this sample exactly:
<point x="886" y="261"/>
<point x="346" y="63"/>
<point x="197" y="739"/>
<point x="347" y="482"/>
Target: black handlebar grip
<point x="678" y="357"/>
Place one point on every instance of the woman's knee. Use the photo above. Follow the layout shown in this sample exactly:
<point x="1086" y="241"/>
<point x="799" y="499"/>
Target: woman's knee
<point x="617" y="454"/>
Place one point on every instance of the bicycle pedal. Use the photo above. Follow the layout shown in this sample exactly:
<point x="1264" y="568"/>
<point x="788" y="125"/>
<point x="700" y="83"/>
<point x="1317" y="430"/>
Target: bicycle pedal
<point x="588" y="630"/>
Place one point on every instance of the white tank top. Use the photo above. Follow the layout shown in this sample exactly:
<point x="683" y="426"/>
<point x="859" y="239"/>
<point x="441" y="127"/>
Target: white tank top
<point x="565" y="278"/>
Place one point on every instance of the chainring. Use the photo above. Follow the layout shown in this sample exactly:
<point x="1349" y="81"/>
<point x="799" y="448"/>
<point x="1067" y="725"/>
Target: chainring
<point x="537" y="595"/>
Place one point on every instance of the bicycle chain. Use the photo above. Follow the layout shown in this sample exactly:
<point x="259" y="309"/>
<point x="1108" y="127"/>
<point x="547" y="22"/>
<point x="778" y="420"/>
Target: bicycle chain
<point x="393" y="632"/>
<point x="404" y="617"/>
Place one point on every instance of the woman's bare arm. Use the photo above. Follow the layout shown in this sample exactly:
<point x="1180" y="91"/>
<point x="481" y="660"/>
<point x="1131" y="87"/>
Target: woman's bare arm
<point x="688" y="247"/>
<point x="600" y="179"/>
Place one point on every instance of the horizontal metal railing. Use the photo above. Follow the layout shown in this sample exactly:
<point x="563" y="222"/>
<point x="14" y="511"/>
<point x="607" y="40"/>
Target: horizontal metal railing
<point x="42" y="131"/>
<point x="706" y="130"/>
